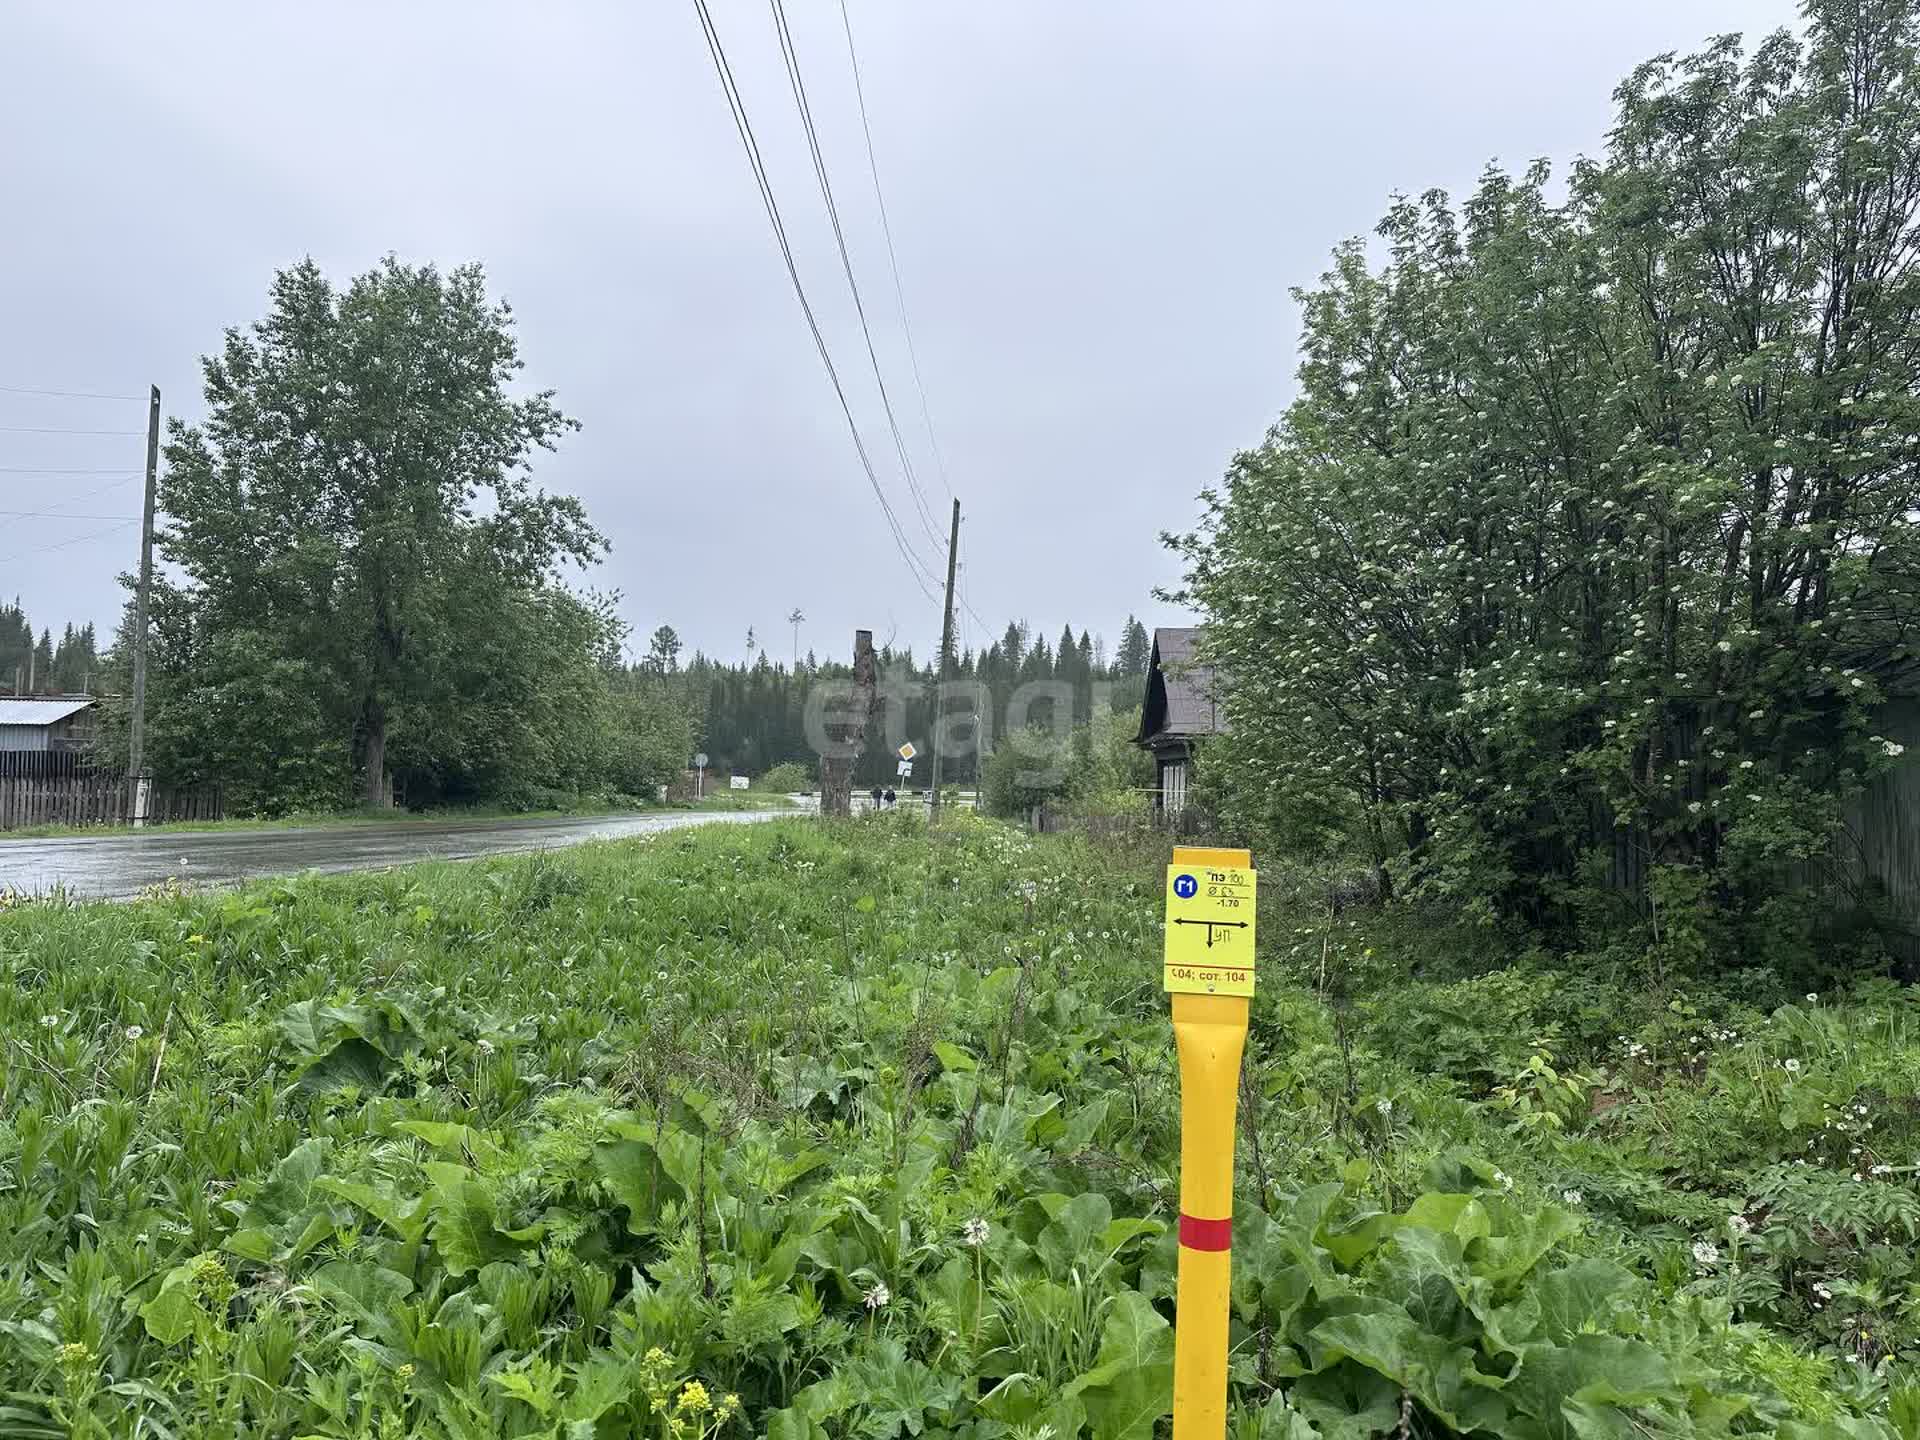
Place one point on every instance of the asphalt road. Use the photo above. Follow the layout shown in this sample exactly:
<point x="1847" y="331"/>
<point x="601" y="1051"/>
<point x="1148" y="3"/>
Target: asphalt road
<point x="119" y="865"/>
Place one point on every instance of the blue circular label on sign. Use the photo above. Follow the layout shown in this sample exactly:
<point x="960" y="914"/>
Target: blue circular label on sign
<point x="1185" y="886"/>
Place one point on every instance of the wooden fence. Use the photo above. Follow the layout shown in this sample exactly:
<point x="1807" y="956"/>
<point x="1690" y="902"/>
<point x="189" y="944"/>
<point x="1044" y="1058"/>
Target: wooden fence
<point x="55" y="788"/>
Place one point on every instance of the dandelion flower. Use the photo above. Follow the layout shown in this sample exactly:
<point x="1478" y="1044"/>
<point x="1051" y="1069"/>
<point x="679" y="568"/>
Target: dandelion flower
<point x="879" y="1297"/>
<point x="1571" y="1197"/>
<point x="47" y="1022"/>
<point x="1740" y="1225"/>
<point x="1791" y="1066"/>
<point x="485" y="1047"/>
<point x="134" y="1032"/>
<point x="1706" y="1253"/>
<point x="974" y="1232"/>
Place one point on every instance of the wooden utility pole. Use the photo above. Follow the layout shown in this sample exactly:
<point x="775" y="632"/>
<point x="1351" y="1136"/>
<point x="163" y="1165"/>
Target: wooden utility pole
<point x="137" y="727"/>
<point x="940" y="666"/>
<point x="847" y="731"/>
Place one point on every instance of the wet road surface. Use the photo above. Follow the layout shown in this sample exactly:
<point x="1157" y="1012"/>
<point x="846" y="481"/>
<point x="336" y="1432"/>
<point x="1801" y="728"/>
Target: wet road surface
<point x="119" y="865"/>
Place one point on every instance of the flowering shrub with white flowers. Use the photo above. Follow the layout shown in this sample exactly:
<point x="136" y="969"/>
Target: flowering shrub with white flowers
<point x="1588" y="538"/>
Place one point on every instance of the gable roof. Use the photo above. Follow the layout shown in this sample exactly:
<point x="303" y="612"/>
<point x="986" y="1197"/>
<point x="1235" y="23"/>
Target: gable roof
<point x="1180" y="701"/>
<point x="39" y="710"/>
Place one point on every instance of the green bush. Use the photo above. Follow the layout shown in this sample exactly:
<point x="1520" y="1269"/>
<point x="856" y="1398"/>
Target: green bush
<point x="787" y="778"/>
<point x="1524" y="579"/>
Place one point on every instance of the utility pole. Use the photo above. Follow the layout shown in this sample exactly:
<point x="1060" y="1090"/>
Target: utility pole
<point x="137" y="728"/>
<point x="796" y="619"/>
<point x="940" y="666"/>
<point x="846" y="731"/>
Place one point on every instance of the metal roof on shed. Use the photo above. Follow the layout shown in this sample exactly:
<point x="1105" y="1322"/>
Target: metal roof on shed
<point x="1180" y="700"/>
<point x="38" y="712"/>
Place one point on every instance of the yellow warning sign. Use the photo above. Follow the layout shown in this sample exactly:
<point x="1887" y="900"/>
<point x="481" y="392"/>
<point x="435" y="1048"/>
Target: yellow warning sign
<point x="1210" y="922"/>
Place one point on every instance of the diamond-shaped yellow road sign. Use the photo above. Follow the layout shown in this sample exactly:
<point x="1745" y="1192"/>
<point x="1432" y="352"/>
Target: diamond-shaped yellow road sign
<point x="907" y="752"/>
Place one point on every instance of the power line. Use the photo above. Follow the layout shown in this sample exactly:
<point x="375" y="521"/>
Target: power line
<point x="62" y="545"/>
<point x="62" y="430"/>
<point x="791" y="55"/>
<point x="37" y="470"/>
<point x="68" y="394"/>
<point x="916" y="566"/>
<point x="65" y="515"/>
<point x="893" y="261"/>
<point x="61" y="508"/>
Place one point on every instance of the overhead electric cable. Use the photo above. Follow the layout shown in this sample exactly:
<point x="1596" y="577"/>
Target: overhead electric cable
<point x="744" y="127"/>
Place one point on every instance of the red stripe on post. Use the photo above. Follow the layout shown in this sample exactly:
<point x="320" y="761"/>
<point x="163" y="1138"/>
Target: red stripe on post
<point x="1197" y="1234"/>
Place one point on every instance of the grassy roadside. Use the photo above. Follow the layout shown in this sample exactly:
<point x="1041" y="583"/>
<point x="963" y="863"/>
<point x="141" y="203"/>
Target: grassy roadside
<point x="879" y="1136"/>
<point x="331" y="819"/>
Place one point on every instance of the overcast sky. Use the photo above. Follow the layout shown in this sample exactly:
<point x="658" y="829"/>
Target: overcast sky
<point x="1098" y="208"/>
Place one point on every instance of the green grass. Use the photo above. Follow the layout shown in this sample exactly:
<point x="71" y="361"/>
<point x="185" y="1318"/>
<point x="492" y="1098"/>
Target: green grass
<point x="533" y="1146"/>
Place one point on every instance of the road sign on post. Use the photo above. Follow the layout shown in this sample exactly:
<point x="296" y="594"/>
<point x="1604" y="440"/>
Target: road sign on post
<point x="1207" y="965"/>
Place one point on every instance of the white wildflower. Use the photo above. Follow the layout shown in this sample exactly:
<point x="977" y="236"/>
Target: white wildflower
<point x="1790" y="1065"/>
<point x="879" y="1297"/>
<point x="485" y="1047"/>
<point x="134" y="1032"/>
<point x="1740" y="1225"/>
<point x="1706" y="1253"/>
<point x="49" y="1021"/>
<point x="1571" y="1197"/>
<point x="974" y="1232"/>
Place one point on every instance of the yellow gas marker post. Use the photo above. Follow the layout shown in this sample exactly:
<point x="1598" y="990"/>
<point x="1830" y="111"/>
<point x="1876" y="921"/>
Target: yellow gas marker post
<point x="1208" y="969"/>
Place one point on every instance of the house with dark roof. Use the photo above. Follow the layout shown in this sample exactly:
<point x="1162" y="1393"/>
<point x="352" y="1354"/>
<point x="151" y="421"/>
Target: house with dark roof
<point x="46" y="722"/>
<point x="1180" y="710"/>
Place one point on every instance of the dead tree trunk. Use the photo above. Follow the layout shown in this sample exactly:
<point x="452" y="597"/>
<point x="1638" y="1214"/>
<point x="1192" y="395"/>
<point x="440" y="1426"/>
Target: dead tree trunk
<point x="846" y="730"/>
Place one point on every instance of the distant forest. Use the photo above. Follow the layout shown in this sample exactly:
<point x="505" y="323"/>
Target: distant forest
<point x="751" y="714"/>
<point x="44" y="666"/>
<point x="747" y="715"/>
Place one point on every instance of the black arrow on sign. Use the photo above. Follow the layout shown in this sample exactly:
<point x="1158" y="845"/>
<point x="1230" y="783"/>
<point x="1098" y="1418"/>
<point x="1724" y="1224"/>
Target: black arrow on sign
<point x="1224" y="924"/>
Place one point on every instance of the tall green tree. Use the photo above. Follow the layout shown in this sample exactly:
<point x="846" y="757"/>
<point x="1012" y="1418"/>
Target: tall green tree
<point x="663" y="651"/>
<point x="362" y="474"/>
<point x="1136" y="649"/>
<point x="1587" y="545"/>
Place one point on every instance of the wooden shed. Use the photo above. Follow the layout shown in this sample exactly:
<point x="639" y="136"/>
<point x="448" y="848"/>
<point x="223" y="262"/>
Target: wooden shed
<point x="46" y="723"/>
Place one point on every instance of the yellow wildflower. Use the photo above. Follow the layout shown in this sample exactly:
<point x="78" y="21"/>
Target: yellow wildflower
<point x="694" y="1398"/>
